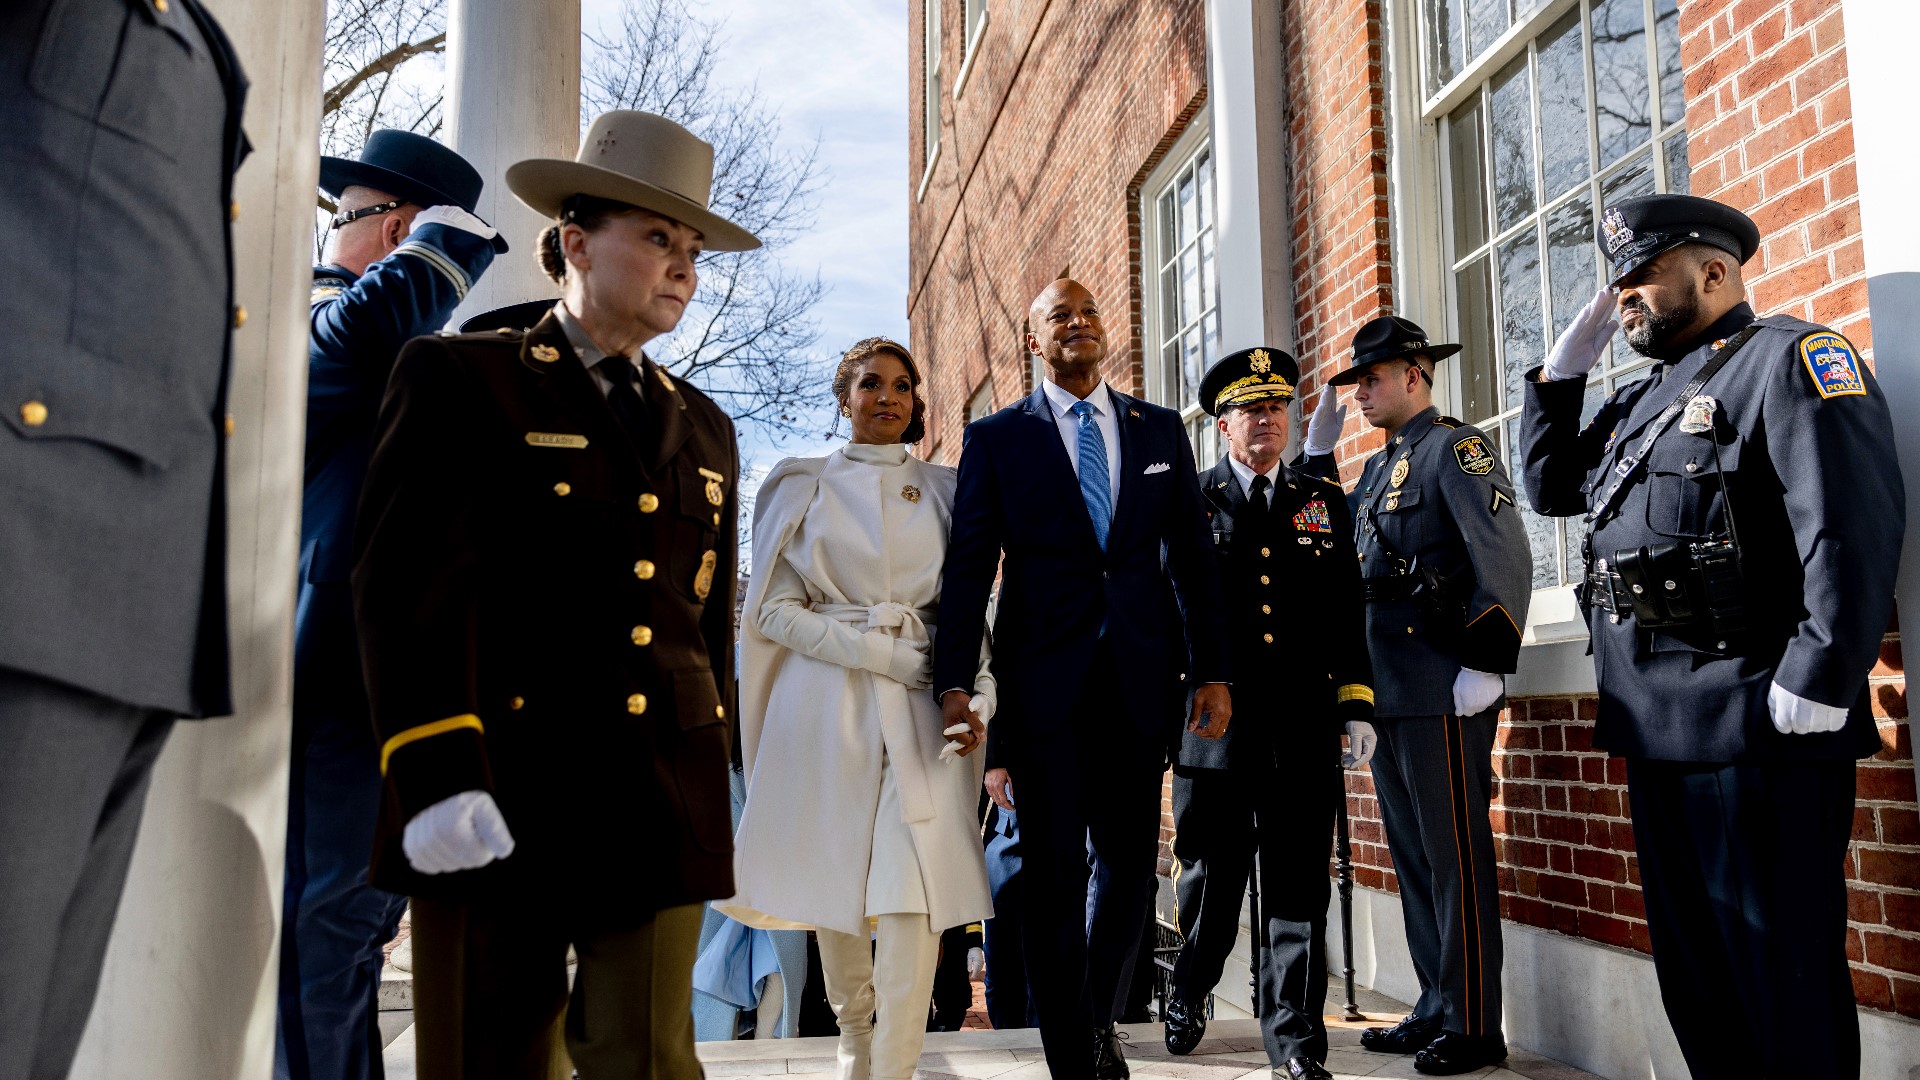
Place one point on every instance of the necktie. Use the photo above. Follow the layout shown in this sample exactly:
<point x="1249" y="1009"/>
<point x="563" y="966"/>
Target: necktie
<point x="1094" y="486"/>
<point x="1258" y="499"/>
<point x="627" y="403"/>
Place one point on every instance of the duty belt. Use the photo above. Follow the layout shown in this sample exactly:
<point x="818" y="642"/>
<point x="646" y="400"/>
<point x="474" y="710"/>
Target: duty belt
<point x="1606" y="590"/>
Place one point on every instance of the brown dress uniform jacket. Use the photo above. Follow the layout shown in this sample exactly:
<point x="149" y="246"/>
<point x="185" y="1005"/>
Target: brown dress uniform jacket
<point x="546" y="614"/>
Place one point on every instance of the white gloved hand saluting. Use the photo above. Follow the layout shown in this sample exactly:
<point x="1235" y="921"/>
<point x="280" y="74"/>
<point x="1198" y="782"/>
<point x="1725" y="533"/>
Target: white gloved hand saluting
<point x="1795" y="715"/>
<point x="1474" y="690"/>
<point x="1580" y="347"/>
<point x="1328" y="420"/>
<point x="1360" y="744"/>
<point x="454" y="218"/>
<point x="460" y="832"/>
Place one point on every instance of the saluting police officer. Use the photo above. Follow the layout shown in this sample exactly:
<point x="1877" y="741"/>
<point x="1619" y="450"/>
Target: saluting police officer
<point x="1447" y="577"/>
<point x="544" y="590"/>
<point x="406" y="248"/>
<point x="1743" y="517"/>
<point x="1270" y="785"/>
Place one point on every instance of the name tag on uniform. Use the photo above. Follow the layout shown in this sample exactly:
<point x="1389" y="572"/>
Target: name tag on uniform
<point x="558" y="441"/>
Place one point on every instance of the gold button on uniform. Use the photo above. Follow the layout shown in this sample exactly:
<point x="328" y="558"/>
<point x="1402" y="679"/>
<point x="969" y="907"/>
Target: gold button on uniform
<point x="563" y="488"/>
<point x="643" y="570"/>
<point x="233" y="210"/>
<point x="229" y="427"/>
<point x="637" y="704"/>
<point x="160" y="6"/>
<point x="649" y="503"/>
<point x="1264" y="580"/>
<point x="33" y="414"/>
<point x="643" y="635"/>
<point x="1266" y="609"/>
<point x="517" y="704"/>
<point x="716" y="519"/>
<point x="239" y="316"/>
<point x="720" y="711"/>
<point x="1264" y="552"/>
<point x="1268" y="638"/>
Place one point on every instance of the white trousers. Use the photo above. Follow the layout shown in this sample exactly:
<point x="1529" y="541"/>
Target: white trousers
<point x="893" y="978"/>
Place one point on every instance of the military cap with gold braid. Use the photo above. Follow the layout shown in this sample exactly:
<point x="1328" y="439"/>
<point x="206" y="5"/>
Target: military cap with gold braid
<point x="1247" y="376"/>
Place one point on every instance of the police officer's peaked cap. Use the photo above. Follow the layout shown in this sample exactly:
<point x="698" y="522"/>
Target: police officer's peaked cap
<point x="1633" y="232"/>
<point x="516" y="317"/>
<point x="1247" y="376"/>
<point x="1389" y="337"/>
<point x="411" y="167"/>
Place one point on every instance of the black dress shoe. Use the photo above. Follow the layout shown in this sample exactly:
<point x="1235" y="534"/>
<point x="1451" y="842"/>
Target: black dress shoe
<point x="1411" y="1034"/>
<point x="1186" y="1025"/>
<point x="1302" y="1069"/>
<point x="1108" y="1062"/>
<point x="1453" y="1053"/>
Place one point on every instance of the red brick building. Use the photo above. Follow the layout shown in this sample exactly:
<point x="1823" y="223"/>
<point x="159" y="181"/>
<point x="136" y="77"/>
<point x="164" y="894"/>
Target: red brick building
<point x="1280" y="171"/>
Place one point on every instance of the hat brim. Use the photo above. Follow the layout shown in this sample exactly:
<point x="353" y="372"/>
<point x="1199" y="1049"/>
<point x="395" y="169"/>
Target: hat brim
<point x="1436" y="353"/>
<point x="544" y="184"/>
<point x="521" y="316"/>
<point x="1620" y="275"/>
<point x="339" y="174"/>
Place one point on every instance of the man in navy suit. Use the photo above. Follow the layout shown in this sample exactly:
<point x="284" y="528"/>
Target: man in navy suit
<point x="1109" y="600"/>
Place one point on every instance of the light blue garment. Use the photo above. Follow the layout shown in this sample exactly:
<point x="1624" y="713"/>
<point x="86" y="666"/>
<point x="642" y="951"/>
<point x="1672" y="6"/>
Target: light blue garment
<point x="735" y="964"/>
<point x="715" y="1019"/>
<point x="1095" y="486"/>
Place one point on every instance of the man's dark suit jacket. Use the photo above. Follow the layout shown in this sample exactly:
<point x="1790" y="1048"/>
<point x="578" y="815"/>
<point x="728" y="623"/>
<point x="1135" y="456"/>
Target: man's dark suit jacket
<point x="120" y="127"/>
<point x="546" y="613"/>
<point x="1156" y="589"/>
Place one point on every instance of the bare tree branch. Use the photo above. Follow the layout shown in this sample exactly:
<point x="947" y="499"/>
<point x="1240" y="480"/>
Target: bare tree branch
<point x="381" y="65"/>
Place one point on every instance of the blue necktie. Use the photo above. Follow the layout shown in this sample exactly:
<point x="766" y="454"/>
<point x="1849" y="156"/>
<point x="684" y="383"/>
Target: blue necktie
<point x="1094" y="487"/>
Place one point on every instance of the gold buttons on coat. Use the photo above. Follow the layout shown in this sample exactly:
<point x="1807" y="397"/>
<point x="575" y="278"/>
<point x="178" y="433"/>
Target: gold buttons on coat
<point x="637" y="704"/>
<point x="517" y="704"/>
<point x="563" y="488"/>
<point x="1268" y="638"/>
<point x="720" y="711"/>
<point x="1265" y="580"/>
<point x="643" y="570"/>
<point x="1266" y="609"/>
<point x="160" y="6"/>
<point x="649" y="503"/>
<point x="229" y="425"/>
<point x="33" y="414"/>
<point x="239" y="316"/>
<point x="716" y="519"/>
<point x="1265" y="552"/>
<point x="643" y="635"/>
<point x="233" y="210"/>
<point x="1409" y="629"/>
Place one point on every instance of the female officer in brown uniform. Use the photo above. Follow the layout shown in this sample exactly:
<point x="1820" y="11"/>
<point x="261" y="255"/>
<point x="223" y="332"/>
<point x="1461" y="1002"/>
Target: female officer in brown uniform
<point x="544" y="585"/>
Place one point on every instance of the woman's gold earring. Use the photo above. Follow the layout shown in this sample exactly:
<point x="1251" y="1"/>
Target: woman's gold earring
<point x="846" y="412"/>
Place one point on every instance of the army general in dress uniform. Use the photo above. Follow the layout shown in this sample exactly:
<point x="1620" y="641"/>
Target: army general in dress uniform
<point x="1447" y="576"/>
<point x="1270" y="785"/>
<point x="1743" y="517"/>
<point x="544" y="586"/>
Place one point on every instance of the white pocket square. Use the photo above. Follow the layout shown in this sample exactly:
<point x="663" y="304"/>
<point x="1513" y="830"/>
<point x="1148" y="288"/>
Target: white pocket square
<point x="1156" y="467"/>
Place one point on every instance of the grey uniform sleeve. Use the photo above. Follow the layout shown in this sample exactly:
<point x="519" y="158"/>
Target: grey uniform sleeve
<point x="1847" y="505"/>
<point x="1479" y="497"/>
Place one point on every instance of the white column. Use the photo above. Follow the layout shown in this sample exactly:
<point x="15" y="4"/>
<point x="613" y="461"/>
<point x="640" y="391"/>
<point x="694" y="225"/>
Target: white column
<point x="1880" y="81"/>
<point x="1245" y="93"/>
<point x="188" y="992"/>
<point x="513" y="92"/>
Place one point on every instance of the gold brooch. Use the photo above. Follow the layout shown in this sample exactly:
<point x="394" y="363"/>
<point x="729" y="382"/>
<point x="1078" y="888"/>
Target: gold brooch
<point x="910" y="493"/>
<point x="546" y="354"/>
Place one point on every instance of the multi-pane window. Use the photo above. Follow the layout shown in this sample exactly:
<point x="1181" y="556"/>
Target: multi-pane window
<point x="981" y="403"/>
<point x="932" y="88"/>
<point x="1182" y="285"/>
<point x="1536" y="138"/>
<point x="975" y="11"/>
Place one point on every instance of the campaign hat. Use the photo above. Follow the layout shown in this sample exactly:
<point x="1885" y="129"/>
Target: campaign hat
<point x="1389" y="337"/>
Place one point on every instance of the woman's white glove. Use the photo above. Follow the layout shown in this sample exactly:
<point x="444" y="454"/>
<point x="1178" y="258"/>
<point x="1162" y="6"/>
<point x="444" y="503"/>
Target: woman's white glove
<point x="460" y="832"/>
<point x="1328" y="420"/>
<point x="981" y="706"/>
<point x="1580" y="347"/>
<point x="1474" y="690"/>
<point x="976" y="963"/>
<point x="1795" y="715"/>
<point x="1361" y="741"/>
<point x="903" y="661"/>
<point x="454" y="218"/>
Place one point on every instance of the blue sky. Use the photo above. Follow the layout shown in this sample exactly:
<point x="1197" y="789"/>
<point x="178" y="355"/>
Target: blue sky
<point x="836" y="71"/>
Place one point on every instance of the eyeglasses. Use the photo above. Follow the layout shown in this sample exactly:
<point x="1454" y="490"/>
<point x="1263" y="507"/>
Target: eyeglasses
<point x="348" y="217"/>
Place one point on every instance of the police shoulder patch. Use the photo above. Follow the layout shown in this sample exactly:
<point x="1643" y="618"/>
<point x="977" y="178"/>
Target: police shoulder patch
<point x="1473" y="455"/>
<point x="1833" y="365"/>
<point x="326" y="289"/>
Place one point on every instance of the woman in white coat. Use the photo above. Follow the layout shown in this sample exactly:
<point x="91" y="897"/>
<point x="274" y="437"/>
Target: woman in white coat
<point x="860" y="811"/>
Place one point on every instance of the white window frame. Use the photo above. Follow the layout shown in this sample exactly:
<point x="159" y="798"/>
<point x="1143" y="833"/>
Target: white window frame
<point x="930" y="90"/>
<point x="973" y="27"/>
<point x="980" y="402"/>
<point x="1197" y="136"/>
<point x="1422" y="223"/>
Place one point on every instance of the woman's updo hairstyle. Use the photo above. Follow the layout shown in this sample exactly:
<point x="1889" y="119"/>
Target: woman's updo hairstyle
<point x="857" y="357"/>
<point x="587" y="211"/>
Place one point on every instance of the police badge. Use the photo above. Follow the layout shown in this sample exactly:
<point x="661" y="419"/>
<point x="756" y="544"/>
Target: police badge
<point x="703" y="579"/>
<point x="1614" y="224"/>
<point x="1698" y="418"/>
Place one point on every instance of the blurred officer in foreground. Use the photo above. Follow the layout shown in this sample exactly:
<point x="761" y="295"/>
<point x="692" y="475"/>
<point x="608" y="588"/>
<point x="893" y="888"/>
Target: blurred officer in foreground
<point x="1447" y="576"/>
<point x="1270" y="784"/>
<point x="1743" y="516"/>
<point x="406" y="248"/>
<point x="120" y="126"/>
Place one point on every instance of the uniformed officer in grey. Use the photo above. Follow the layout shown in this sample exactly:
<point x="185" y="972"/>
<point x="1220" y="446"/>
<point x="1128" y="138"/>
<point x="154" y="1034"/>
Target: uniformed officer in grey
<point x="1743" y="515"/>
<point x="1447" y="575"/>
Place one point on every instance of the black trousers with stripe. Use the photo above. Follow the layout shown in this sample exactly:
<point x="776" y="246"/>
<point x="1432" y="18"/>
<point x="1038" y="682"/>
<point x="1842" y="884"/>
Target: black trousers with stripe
<point x="1434" y="778"/>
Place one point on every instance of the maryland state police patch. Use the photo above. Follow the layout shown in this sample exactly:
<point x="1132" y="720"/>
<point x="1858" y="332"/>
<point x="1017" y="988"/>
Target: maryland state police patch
<point x="1834" y="365"/>
<point x="1473" y="455"/>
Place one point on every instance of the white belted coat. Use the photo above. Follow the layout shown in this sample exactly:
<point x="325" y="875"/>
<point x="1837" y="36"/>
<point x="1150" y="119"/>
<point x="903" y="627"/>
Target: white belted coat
<point x="850" y="810"/>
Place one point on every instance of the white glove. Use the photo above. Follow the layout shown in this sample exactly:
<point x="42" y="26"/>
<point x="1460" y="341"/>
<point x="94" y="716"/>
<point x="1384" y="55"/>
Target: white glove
<point x="460" y="832"/>
<point x="981" y="706"/>
<point x="1324" y="427"/>
<point x="1360" y="743"/>
<point x="454" y="218"/>
<point x="1474" y="690"/>
<point x="1580" y="347"/>
<point x="976" y="963"/>
<point x="1795" y="715"/>
<point x="903" y="661"/>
